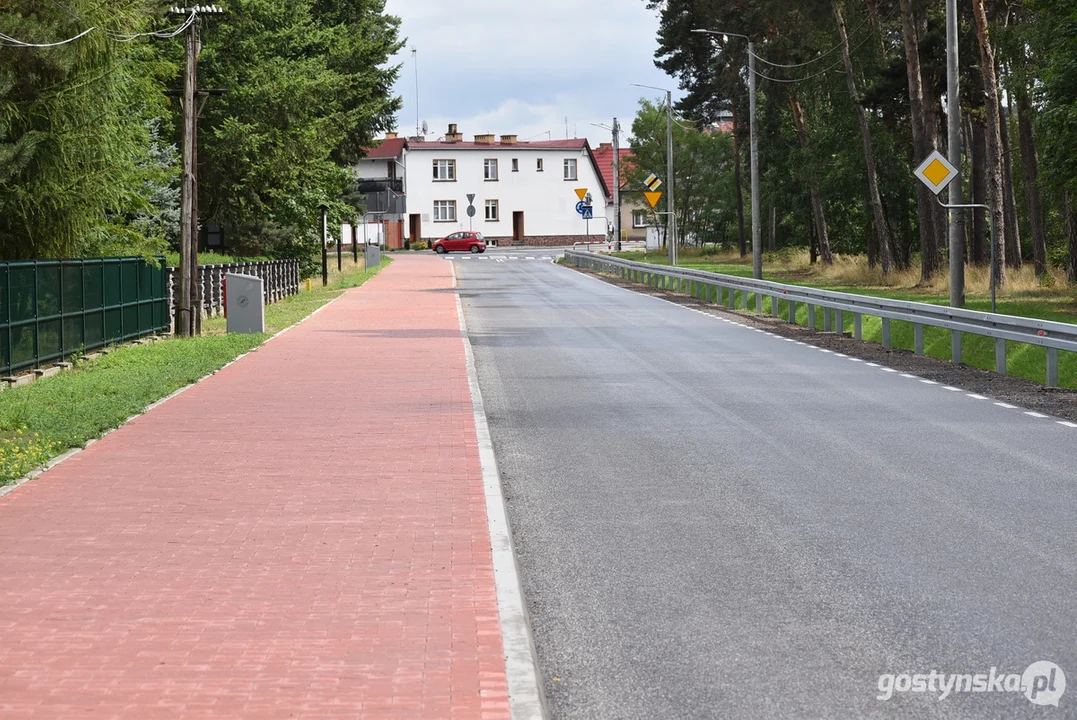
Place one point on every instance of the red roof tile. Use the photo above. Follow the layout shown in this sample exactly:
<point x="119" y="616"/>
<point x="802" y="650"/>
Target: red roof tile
<point x="570" y="144"/>
<point x="387" y="149"/>
<point x="604" y="159"/>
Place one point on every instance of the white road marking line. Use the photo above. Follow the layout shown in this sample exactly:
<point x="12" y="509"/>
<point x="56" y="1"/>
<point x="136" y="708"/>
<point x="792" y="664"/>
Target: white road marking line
<point x="530" y="257"/>
<point x="828" y="352"/>
<point x="856" y="359"/>
<point x="871" y="364"/>
<point x="951" y="389"/>
<point x="837" y="354"/>
<point x="974" y="396"/>
<point x="908" y="375"/>
<point x="1006" y="405"/>
<point x="928" y="382"/>
<point x="1067" y="423"/>
<point x="1034" y="414"/>
<point x="889" y="370"/>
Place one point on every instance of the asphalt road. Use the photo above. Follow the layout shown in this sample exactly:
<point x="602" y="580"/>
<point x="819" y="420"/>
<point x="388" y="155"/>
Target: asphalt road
<point x="715" y="522"/>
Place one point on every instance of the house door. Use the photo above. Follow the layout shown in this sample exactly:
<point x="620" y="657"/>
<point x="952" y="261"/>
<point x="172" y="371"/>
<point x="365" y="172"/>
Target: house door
<point x="517" y="227"/>
<point x="415" y="231"/>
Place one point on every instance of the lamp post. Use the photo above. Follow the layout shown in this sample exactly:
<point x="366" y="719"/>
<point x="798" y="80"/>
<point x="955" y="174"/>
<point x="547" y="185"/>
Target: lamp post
<point x="757" y="240"/>
<point x="671" y="212"/>
<point x="325" y="243"/>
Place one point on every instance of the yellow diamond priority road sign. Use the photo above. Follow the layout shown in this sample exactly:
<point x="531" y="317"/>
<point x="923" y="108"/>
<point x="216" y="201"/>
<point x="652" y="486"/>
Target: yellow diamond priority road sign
<point x="936" y="172"/>
<point x="652" y="182"/>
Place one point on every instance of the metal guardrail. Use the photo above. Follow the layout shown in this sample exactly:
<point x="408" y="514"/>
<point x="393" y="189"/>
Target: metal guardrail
<point x="1053" y="336"/>
<point x="608" y="245"/>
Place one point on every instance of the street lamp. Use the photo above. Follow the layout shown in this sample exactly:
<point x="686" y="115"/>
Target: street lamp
<point x="757" y="241"/>
<point x="672" y="240"/>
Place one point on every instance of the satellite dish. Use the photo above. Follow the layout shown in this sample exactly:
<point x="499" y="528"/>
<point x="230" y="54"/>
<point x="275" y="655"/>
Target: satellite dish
<point x="426" y="128"/>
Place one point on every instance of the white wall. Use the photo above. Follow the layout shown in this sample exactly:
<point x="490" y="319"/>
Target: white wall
<point x="547" y="200"/>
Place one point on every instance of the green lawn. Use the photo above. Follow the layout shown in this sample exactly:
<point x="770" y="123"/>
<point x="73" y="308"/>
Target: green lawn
<point x="43" y="419"/>
<point x="1022" y="360"/>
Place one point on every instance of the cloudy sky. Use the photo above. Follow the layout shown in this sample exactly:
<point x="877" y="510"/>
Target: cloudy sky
<point x="514" y="67"/>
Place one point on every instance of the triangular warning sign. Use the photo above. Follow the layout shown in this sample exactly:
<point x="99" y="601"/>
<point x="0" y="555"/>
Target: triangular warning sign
<point x="652" y="198"/>
<point x="581" y="193"/>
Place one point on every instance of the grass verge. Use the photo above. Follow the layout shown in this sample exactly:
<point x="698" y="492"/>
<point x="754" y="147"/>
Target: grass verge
<point x="43" y="419"/>
<point x="1025" y="296"/>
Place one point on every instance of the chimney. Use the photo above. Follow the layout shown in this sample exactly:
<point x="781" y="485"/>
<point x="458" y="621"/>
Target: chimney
<point x="484" y="139"/>
<point x="390" y="136"/>
<point x="508" y="139"/>
<point x="453" y="136"/>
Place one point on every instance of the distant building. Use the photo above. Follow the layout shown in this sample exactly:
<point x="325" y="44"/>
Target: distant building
<point x="636" y="214"/>
<point x="524" y="192"/>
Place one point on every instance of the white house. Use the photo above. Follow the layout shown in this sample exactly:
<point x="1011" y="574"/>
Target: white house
<point x="524" y="192"/>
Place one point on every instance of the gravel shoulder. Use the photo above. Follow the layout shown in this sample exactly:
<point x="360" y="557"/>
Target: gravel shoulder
<point x="1029" y="395"/>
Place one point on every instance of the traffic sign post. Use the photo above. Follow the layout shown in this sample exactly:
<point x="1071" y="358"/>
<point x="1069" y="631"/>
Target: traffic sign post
<point x="937" y="172"/>
<point x="470" y="209"/>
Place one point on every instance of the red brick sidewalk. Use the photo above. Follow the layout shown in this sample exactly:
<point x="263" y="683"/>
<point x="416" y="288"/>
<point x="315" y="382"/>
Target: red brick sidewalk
<point x="302" y="535"/>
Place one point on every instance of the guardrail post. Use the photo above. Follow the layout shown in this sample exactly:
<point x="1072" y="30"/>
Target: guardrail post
<point x="955" y="347"/>
<point x="758" y="304"/>
<point x="774" y="305"/>
<point x="918" y="338"/>
<point x="811" y="316"/>
<point x="858" y="326"/>
<point x="793" y="311"/>
<point x="839" y="322"/>
<point x="743" y="299"/>
<point x="1000" y="356"/>
<point x="826" y="319"/>
<point x="886" y="333"/>
<point x="1052" y="367"/>
<point x="733" y="298"/>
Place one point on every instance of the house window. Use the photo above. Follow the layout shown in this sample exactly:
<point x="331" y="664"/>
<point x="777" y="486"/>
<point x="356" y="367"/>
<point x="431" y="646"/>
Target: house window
<point x="570" y="168"/>
<point x="538" y="165"/>
<point x="491" y="210"/>
<point x="489" y="169"/>
<point x="392" y="169"/>
<point x="444" y="170"/>
<point x="516" y="164"/>
<point x="444" y="211"/>
<point x="639" y="218"/>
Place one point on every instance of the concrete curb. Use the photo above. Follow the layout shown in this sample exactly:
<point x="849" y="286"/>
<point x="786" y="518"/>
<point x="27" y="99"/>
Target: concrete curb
<point x="10" y="487"/>
<point x="526" y="699"/>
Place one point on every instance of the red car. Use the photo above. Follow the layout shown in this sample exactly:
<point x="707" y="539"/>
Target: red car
<point x="465" y="241"/>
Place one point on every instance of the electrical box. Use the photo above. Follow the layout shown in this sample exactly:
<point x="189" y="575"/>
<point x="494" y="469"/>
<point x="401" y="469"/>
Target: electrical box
<point x="244" y="303"/>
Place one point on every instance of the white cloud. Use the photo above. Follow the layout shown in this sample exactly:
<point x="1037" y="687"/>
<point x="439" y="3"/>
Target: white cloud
<point x="520" y="68"/>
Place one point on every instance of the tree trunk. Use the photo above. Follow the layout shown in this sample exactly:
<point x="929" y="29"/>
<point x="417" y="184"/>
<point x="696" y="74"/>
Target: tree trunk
<point x="922" y="147"/>
<point x="1013" y="235"/>
<point x="978" y="161"/>
<point x="772" y="242"/>
<point x="818" y="214"/>
<point x="995" y="185"/>
<point x="936" y="138"/>
<point x="738" y="183"/>
<point x="869" y="153"/>
<point x="1069" y="209"/>
<point x="1030" y="172"/>
<point x="813" y="245"/>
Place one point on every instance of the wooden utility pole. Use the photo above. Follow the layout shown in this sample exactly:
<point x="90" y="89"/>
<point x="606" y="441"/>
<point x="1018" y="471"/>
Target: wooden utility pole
<point x="188" y="319"/>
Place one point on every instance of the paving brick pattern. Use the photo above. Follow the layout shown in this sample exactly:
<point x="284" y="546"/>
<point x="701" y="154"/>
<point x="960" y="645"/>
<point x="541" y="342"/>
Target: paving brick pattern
<point x="302" y="535"/>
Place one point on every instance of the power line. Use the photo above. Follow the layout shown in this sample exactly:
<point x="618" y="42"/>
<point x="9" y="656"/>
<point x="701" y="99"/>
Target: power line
<point x="112" y="34"/>
<point x="815" y="75"/>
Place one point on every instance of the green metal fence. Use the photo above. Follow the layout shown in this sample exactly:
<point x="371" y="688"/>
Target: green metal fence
<point x="49" y="309"/>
